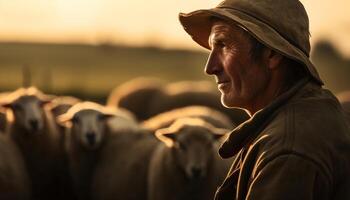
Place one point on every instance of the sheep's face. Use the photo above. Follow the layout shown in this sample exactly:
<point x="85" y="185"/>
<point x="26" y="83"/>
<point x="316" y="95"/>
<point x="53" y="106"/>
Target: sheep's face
<point x="192" y="147"/>
<point x="28" y="113"/>
<point x="89" y="127"/>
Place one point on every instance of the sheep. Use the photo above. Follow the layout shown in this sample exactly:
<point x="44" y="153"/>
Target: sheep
<point x="86" y="127"/>
<point x="31" y="127"/>
<point x="14" y="180"/>
<point x="108" y="152"/>
<point x="187" y="93"/>
<point x="210" y="115"/>
<point x="148" y="97"/>
<point x="123" y="169"/>
<point x="136" y="96"/>
<point x="186" y="164"/>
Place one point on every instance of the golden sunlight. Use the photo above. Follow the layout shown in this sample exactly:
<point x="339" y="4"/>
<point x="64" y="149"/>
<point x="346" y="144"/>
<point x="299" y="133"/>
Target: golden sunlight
<point x="138" y="22"/>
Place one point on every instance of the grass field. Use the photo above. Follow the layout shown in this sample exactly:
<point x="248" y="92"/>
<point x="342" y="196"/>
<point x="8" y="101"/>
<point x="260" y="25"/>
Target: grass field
<point x="91" y="71"/>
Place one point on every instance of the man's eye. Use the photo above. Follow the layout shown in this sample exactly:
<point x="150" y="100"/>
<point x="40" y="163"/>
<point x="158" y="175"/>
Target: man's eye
<point x="219" y="43"/>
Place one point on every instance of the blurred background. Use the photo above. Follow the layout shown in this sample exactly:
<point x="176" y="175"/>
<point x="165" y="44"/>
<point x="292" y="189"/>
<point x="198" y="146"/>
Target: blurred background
<point x="87" y="47"/>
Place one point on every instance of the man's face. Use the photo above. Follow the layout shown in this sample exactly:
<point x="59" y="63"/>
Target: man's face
<point x="240" y="78"/>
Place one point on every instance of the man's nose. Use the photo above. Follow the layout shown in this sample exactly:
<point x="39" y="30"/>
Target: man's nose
<point x="212" y="67"/>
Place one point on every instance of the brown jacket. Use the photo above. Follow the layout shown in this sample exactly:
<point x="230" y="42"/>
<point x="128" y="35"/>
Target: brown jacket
<point x="296" y="148"/>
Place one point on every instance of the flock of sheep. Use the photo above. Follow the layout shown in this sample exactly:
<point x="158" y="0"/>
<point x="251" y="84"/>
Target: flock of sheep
<point x="150" y="141"/>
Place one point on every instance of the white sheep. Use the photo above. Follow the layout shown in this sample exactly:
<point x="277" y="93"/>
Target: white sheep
<point x="86" y="124"/>
<point x="14" y="180"/>
<point x="107" y="152"/>
<point x="31" y="127"/>
<point x="186" y="165"/>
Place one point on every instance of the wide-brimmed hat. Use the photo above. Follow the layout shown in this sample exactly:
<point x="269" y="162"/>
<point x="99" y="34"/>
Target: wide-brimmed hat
<point x="281" y="25"/>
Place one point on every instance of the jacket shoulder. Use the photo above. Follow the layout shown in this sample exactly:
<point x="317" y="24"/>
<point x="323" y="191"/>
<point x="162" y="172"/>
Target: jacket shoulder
<point x="312" y="126"/>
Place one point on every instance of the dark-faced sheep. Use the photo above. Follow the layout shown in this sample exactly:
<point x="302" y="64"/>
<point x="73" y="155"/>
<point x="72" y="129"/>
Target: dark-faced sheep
<point x="186" y="165"/>
<point x="86" y="131"/>
<point x="108" y="152"/>
<point x="31" y="127"/>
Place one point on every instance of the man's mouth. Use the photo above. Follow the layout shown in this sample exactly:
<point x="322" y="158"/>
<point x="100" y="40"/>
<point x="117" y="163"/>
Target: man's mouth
<point x="219" y="82"/>
<point x="222" y="84"/>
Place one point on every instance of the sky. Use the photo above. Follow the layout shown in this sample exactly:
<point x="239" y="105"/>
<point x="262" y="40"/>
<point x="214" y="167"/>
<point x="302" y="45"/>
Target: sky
<point x="140" y="22"/>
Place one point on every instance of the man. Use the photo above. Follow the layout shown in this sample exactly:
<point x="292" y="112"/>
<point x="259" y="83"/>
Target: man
<point x="297" y="143"/>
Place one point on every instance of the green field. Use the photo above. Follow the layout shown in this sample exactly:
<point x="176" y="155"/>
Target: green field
<point x="91" y="71"/>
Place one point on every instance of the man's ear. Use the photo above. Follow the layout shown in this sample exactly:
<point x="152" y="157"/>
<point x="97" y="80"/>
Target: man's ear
<point x="274" y="58"/>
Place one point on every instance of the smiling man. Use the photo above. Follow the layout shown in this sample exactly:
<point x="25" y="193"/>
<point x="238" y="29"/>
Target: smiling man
<point x="296" y="145"/>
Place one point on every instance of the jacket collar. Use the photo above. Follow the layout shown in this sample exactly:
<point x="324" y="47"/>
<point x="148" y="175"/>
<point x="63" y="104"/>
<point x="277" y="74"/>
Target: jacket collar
<point x="249" y="130"/>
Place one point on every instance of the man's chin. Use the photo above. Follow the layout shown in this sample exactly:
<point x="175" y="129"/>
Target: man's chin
<point x="230" y="102"/>
<point x="227" y="103"/>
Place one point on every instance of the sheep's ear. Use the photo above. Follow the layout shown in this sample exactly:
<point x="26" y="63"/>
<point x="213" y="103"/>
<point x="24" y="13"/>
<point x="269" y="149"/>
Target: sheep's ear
<point x="64" y="120"/>
<point x="167" y="136"/>
<point x="218" y="133"/>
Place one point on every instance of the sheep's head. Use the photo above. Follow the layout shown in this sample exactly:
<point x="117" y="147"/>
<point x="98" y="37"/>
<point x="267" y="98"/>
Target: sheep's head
<point x="87" y="126"/>
<point x="27" y="109"/>
<point x="191" y="141"/>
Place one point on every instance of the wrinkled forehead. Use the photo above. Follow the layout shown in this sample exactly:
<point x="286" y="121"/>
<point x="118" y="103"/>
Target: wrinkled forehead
<point x="221" y="29"/>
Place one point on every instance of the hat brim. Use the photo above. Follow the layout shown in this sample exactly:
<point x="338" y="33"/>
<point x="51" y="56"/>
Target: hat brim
<point x="198" y="25"/>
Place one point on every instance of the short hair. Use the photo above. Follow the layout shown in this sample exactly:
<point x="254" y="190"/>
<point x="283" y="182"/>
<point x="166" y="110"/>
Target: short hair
<point x="295" y="69"/>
